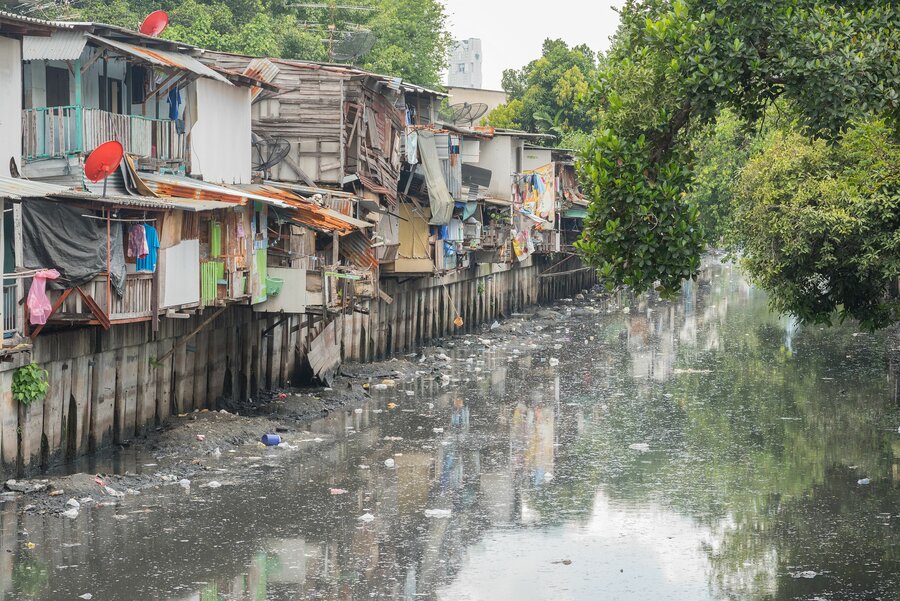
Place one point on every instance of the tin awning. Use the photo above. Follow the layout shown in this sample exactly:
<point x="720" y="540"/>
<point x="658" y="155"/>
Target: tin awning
<point x="59" y="46"/>
<point x="160" y="58"/>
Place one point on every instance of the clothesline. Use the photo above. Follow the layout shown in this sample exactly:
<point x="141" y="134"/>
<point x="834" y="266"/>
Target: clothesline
<point x="118" y="220"/>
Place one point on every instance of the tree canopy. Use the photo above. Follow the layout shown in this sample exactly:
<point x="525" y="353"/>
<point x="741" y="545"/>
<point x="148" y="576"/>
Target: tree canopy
<point x="674" y="66"/>
<point x="817" y="225"/>
<point x="548" y="94"/>
<point x="411" y="37"/>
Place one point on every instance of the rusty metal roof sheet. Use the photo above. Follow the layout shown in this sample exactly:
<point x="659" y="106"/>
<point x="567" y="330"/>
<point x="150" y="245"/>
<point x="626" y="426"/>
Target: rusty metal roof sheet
<point x="59" y="46"/>
<point x="160" y="58"/>
<point x="357" y="248"/>
<point x="18" y="189"/>
<point x="262" y="69"/>
<point x="177" y="186"/>
<point x="309" y="213"/>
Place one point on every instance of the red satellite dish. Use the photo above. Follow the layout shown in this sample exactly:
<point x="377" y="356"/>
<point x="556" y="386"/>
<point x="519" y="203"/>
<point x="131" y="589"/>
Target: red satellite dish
<point x="104" y="160"/>
<point x="154" y="24"/>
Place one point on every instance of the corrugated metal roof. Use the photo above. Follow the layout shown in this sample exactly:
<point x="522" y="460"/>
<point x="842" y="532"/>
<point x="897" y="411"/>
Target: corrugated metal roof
<point x="145" y="202"/>
<point x="176" y="186"/>
<point x="18" y="189"/>
<point x="14" y="18"/>
<point x="357" y="248"/>
<point x="310" y="214"/>
<point x="58" y="46"/>
<point x="262" y="69"/>
<point x="161" y="58"/>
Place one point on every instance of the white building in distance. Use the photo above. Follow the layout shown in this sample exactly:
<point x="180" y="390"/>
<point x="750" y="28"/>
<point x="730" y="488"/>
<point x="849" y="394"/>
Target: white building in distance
<point x="465" y="64"/>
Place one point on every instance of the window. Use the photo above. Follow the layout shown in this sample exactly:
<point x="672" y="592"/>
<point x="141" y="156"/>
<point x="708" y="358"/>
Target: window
<point x="462" y="67"/>
<point x="57" y="86"/>
<point x="477" y="56"/>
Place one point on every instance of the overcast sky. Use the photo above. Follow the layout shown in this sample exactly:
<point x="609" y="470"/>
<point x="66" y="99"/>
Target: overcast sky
<point x="512" y="31"/>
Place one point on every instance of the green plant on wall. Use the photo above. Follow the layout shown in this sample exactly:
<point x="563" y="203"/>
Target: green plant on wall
<point x="30" y="384"/>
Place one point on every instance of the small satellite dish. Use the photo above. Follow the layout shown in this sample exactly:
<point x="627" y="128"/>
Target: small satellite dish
<point x="268" y="153"/>
<point x="103" y="161"/>
<point x="354" y="46"/>
<point x="154" y="24"/>
<point x="465" y="113"/>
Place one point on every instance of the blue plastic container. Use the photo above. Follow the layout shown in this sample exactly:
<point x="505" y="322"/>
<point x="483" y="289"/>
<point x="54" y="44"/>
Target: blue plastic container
<point x="271" y="440"/>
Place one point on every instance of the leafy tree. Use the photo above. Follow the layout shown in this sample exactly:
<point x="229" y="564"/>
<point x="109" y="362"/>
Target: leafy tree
<point x="817" y="225"/>
<point x="673" y="67"/>
<point x="720" y="152"/>
<point x="548" y="94"/>
<point x="412" y="38"/>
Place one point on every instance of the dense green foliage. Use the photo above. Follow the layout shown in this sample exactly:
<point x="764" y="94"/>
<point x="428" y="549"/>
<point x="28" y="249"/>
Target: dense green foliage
<point x="674" y="66"/>
<point x="30" y="384"/>
<point x="720" y="152"/>
<point x="412" y="40"/>
<point x="817" y="225"/>
<point x="549" y="94"/>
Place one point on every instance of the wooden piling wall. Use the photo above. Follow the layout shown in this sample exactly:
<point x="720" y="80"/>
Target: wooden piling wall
<point x="107" y="387"/>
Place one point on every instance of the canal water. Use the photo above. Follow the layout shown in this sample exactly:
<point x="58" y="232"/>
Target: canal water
<point x="699" y="449"/>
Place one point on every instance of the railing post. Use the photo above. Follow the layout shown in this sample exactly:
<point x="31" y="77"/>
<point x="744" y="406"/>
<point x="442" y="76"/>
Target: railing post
<point x="79" y="118"/>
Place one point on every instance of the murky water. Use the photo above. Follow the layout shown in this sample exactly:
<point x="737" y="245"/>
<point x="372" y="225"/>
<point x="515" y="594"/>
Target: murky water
<point x="695" y="450"/>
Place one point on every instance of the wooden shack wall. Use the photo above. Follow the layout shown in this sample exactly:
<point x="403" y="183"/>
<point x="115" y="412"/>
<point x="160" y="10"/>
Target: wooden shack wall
<point x="107" y="386"/>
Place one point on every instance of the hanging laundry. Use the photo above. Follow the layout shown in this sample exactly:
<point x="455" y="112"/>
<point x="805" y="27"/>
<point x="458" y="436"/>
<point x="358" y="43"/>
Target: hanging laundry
<point x="39" y="307"/>
<point x="148" y="263"/>
<point x="412" y="148"/>
<point x="174" y="100"/>
<point x="137" y="242"/>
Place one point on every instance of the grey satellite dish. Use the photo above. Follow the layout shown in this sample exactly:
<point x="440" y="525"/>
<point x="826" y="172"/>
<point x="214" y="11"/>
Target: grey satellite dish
<point x="465" y="113"/>
<point x="354" y="46"/>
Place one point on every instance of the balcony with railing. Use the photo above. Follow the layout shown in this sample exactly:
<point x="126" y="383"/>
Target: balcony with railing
<point x="10" y="325"/>
<point x="63" y="131"/>
<point x="96" y="304"/>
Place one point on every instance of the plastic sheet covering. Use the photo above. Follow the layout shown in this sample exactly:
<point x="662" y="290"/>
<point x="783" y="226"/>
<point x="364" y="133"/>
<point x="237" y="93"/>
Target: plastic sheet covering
<point x="439" y="195"/>
<point x="56" y="236"/>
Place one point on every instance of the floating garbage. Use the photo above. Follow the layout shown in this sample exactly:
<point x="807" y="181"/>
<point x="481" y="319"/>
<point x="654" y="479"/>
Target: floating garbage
<point x="337" y="491"/>
<point x="271" y="440"/>
<point x="864" y="482"/>
<point x="643" y="447"/>
<point x="380" y="387"/>
<point x="70" y="513"/>
<point x="366" y="518"/>
<point x="86" y="596"/>
<point x="213" y="484"/>
<point x="437" y="430"/>
<point x="554" y="361"/>
<point x="73" y="503"/>
<point x="201" y="438"/>
<point x="184" y="483"/>
<point x="389" y="463"/>
<point x="808" y="574"/>
<point x="437" y="513"/>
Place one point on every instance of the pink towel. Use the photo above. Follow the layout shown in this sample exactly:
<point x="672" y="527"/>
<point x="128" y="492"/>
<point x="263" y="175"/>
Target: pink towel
<point x="39" y="307"/>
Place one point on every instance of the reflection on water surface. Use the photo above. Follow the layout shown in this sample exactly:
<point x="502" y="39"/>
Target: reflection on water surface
<point x="702" y="449"/>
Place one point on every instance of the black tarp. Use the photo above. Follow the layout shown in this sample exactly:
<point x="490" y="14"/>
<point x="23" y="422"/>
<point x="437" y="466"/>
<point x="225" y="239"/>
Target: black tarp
<point x="57" y="236"/>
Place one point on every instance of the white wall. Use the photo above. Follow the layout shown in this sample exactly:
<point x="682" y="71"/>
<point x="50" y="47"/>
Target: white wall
<point x="535" y="158"/>
<point x="499" y="155"/>
<point x="10" y="106"/>
<point x="220" y="139"/>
